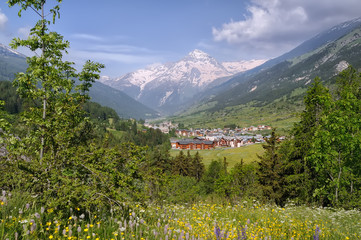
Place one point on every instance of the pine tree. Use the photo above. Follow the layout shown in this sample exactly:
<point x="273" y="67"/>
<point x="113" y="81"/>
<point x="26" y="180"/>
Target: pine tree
<point x="270" y="171"/>
<point x="197" y="166"/>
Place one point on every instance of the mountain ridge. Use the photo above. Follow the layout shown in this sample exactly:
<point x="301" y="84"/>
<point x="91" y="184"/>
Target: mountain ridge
<point x="166" y="87"/>
<point x="12" y="62"/>
<point x="283" y="84"/>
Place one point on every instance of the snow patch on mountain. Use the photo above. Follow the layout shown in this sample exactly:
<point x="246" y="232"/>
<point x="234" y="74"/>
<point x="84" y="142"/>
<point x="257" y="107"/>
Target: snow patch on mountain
<point x="167" y="94"/>
<point x="241" y="66"/>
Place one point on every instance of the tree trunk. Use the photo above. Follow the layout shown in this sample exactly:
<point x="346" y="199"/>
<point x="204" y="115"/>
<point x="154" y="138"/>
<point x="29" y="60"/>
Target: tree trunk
<point x="44" y="98"/>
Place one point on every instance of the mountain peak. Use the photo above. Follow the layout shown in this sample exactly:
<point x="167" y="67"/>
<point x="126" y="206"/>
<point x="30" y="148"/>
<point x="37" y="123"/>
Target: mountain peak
<point x="198" y="54"/>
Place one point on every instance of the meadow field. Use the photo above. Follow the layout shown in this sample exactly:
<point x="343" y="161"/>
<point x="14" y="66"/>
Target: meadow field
<point x="233" y="155"/>
<point x="245" y="220"/>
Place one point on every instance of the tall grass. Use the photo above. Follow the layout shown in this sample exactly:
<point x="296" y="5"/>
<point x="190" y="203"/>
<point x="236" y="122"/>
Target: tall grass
<point x="246" y="220"/>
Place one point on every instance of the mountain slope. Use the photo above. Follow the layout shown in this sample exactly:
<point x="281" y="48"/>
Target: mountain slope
<point x="283" y="84"/>
<point x="167" y="87"/>
<point x="308" y="46"/>
<point x="125" y="106"/>
<point x="12" y="62"/>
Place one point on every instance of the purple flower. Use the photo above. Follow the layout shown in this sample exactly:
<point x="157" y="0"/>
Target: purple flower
<point x="217" y="232"/>
<point x="316" y="236"/>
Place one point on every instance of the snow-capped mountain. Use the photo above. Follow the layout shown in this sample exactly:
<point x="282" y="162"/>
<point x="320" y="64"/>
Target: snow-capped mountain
<point x="167" y="86"/>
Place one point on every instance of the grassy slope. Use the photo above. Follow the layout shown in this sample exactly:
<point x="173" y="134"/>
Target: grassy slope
<point x="233" y="155"/>
<point x="282" y="114"/>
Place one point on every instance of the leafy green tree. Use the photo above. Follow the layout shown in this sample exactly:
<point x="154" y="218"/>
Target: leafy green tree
<point x="49" y="82"/>
<point x="299" y="170"/>
<point x="244" y="181"/>
<point x="55" y="160"/>
<point x="336" y="149"/>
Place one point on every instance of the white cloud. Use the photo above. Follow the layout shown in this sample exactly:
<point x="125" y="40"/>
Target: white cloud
<point x="274" y="26"/>
<point x="24" y="31"/>
<point x="87" y="37"/>
<point x="3" y="20"/>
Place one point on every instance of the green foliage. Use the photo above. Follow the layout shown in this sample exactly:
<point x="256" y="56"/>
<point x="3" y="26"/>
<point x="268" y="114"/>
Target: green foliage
<point x="157" y="169"/>
<point x="322" y="160"/>
<point x="214" y="172"/>
<point x="300" y="171"/>
<point x="188" y="165"/>
<point x="49" y="80"/>
<point x="182" y="189"/>
<point x="89" y="178"/>
<point x="13" y="103"/>
<point x="270" y="171"/>
<point x="336" y="149"/>
<point x="99" y="113"/>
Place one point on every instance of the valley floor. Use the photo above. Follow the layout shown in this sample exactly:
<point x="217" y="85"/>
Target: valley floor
<point x="233" y="155"/>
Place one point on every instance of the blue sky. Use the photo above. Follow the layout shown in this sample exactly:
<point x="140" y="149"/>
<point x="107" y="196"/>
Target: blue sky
<point x="128" y="35"/>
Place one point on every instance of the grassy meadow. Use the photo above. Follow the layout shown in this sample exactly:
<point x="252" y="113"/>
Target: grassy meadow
<point x="281" y="114"/>
<point x="234" y="155"/>
<point x="20" y="219"/>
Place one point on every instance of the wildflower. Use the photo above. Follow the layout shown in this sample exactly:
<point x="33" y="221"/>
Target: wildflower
<point x="33" y="227"/>
<point x="316" y="236"/>
<point x="217" y="232"/>
<point x="79" y="229"/>
<point x="51" y="237"/>
<point x="37" y="215"/>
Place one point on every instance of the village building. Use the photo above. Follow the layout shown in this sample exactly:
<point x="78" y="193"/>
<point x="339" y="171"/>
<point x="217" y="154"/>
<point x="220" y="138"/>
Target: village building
<point x="192" y="144"/>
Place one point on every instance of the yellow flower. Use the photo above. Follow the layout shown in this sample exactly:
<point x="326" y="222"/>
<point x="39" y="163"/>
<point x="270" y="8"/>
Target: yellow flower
<point x="70" y="218"/>
<point x="85" y="230"/>
<point x="51" y="237"/>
